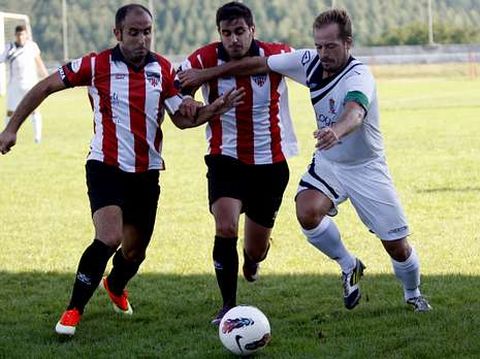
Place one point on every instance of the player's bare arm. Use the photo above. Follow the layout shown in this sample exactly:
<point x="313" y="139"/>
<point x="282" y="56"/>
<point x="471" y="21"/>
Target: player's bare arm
<point x="230" y="99"/>
<point x="350" y="119"/>
<point x="189" y="106"/>
<point x="41" y="66"/>
<point x="30" y="102"/>
<point x="193" y="78"/>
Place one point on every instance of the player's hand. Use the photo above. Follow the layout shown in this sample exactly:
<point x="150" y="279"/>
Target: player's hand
<point x="192" y="78"/>
<point x="189" y="107"/>
<point x="326" y="138"/>
<point x="228" y="100"/>
<point x="7" y="141"/>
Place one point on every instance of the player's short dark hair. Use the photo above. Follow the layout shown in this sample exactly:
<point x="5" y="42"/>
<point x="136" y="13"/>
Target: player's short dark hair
<point x="20" y="28"/>
<point x="234" y="10"/>
<point x="124" y="10"/>
<point x="335" y="16"/>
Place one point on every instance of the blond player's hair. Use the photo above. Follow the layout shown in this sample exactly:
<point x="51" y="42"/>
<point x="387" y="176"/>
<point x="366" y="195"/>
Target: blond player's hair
<point x="335" y="16"/>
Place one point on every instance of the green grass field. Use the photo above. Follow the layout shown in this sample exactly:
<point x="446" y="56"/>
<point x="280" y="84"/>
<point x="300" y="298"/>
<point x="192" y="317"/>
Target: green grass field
<point x="430" y="121"/>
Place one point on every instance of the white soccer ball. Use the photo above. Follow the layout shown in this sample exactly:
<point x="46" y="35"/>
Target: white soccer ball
<point x="244" y="330"/>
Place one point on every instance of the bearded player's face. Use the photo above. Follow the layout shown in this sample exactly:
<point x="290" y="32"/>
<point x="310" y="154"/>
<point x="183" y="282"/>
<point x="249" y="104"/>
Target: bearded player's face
<point x="135" y="36"/>
<point x="236" y="37"/>
<point x="331" y="48"/>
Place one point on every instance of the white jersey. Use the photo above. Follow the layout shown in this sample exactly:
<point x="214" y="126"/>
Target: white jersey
<point x="328" y="96"/>
<point x="21" y="63"/>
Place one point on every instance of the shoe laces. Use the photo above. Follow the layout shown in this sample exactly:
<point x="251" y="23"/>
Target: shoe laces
<point x="420" y="304"/>
<point x="346" y="278"/>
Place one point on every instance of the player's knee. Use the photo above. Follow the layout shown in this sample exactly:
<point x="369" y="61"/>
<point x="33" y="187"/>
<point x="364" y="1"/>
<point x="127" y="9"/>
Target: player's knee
<point x="309" y="217"/>
<point x="399" y="249"/>
<point x="136" y="255"/>
<point x="227" y="229"/>
<point x="111" y="238"/>
<point x="257" y="254"/>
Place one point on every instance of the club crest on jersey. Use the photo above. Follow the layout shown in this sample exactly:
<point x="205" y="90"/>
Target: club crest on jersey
<point x="260" y="79"/>
<point x="75" y="65"/>
<point x="331" y="105"/>
<point x="153" y="78"/>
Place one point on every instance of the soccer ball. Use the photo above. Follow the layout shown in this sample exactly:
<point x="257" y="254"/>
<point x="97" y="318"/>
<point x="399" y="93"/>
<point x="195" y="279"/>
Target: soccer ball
<point x="244" y="330"/>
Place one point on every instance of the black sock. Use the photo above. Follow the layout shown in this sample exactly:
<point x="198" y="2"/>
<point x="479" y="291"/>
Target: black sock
<point x="122" y="271"/>
<point x="89" y="273"/>
<point x="225" y="260"/>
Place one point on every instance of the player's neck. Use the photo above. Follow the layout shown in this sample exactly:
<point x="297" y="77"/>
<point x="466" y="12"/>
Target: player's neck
<point x="134" y="61"/>
<point x="326" y="74"/>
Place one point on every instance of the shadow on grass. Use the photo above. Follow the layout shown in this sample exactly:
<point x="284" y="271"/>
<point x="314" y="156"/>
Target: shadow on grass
<point x="172" y="316"/>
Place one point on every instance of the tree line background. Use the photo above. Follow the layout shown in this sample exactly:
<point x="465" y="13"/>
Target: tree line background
<point x="183" y="25"/>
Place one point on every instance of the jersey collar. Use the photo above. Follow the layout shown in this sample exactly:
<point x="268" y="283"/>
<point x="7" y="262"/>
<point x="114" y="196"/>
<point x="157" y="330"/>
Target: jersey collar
<point x="118" y="56"/>
<point x="318" y="79"/>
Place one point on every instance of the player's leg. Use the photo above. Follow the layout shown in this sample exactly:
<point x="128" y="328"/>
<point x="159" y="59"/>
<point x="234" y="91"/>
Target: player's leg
<point x="139" y="213"/>
<point x="14" y="96"/>
<point x="224" y="195"/>
<point x="312" y="207"/>
<point x="108" y="234"/>
<point x="374" y="198"/>
<point x="125" y="265"/>
<point x="406" y="267"/>
<point x="226" y="212"/>
<point x="105" y="198"/>
<point x="37" y="125"/>
<point x="256" y="246"/>
<point x="318" y="194"/>
<point x="264" y="190"/>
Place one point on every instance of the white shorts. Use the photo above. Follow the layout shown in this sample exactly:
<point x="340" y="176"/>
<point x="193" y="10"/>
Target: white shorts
<point x="370" y="189"/>
<point x="15" y="94"/>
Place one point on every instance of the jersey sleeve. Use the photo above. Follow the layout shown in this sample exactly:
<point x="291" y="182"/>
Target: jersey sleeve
<point x="292" y="64"/>
<point x="77" y="72"/>
<point x="170" y="95"/>
<point x="4" y="54"/>
<point x="360" y="87"/>
<point x="202" y="58"/>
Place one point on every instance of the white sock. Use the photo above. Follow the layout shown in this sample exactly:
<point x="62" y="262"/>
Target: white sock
<point x="408" y="273"/>
<point x="37" y="126"/>
<point x="326" y="238"/>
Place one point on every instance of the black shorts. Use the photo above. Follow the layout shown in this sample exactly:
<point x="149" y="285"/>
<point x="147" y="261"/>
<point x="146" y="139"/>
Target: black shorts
<point x="135" y="193"/>
<point x="260" y="188"/>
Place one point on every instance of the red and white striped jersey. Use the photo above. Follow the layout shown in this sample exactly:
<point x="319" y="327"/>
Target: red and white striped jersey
<point x="128" y="106"/>
<point x="260" y="130"/>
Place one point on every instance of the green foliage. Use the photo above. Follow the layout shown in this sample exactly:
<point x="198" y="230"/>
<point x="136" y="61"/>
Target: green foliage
<point x="417" y="34"/>
<point x="430" y="125"/>
<point x="184" y="25"/>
